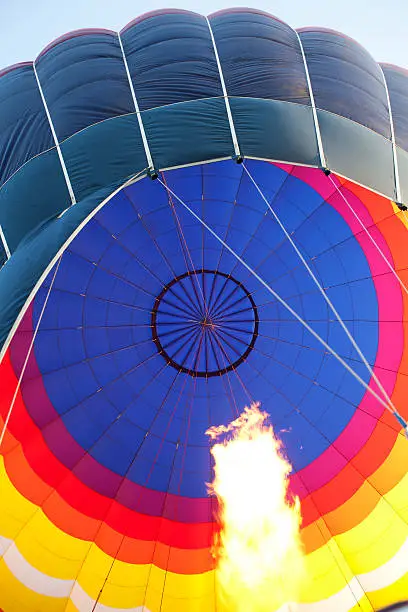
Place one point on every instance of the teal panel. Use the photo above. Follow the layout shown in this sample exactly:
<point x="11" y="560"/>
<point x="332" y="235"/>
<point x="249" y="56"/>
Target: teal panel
<point x="188" y="132"/>
<point x="402" y="157"/>
<point x="276" y="130"/>
<point x="358" y="153"/>
<point x="108" y="152"/>
<point x="36" y="192"/>
<point x="22" y="271"/>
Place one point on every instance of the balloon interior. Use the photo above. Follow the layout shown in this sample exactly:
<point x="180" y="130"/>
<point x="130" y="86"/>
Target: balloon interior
<point x="204" y="366"/>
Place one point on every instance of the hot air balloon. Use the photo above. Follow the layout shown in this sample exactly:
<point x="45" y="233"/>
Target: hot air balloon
<point x="195" y="214"/>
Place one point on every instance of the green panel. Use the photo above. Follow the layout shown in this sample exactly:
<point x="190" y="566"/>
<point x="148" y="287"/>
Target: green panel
<point x="275" y="130"/>
<point x="36" y="192"/>
<point x="25" y="267"/>
<point x="402" y="157"/>
<point x="188" y="132"/>
<point x="358" y="153"/>
<point x="108" y="152"/>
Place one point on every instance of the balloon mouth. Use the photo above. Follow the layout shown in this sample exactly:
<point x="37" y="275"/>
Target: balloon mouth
<point x="204" y="323"/>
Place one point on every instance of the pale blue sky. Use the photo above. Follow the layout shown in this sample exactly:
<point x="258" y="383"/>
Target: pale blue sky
<point x="28" y="25"/>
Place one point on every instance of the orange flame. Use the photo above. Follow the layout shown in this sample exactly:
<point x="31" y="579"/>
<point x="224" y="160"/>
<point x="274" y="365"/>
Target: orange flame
<point x="258" y="550"/>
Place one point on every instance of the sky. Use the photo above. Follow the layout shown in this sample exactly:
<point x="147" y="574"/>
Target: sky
<point x="28" y="25"/>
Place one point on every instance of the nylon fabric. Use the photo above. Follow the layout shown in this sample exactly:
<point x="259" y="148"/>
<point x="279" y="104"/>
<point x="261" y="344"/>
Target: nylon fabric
<point x="397" y="83"/>
<point x="24" y="129"/>
<point x="34" y="194"/>
<point x="346" y="80"/>
<point x="260" y="56"/>
<point x="103" y="476"/>
<point x="171" y="59"/>
<point x="177" y="302"/>
<point x="347" y="154"/>
<point x="84" y="81"/>
<point x="25" y="267"/>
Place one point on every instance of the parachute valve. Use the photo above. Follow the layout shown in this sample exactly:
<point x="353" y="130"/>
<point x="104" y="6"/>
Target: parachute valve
<point x="401" y="206"/>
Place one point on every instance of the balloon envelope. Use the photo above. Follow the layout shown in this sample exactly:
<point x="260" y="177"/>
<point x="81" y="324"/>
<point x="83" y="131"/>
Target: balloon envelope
<point x="138" y="313"/>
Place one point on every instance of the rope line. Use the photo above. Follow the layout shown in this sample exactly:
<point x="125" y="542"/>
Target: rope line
<point x="30" y="348"/>
<point x="293" y="312"/>
<point x="389" y="265"/>
<point x="323" y="293"/>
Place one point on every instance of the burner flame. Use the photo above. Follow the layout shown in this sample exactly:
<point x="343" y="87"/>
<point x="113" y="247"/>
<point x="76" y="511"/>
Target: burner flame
<point x="257" y="550"/>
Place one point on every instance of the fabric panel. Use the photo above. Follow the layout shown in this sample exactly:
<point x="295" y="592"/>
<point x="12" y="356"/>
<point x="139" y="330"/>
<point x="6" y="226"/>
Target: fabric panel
<point x="274" y="130"/>
<point x="346" y="80"/>
<point x="260" y="56"/>
<point x="171" y="59"/>
<point x="84" y="81"/>
<point x="397" y="83"/>
<point x="18" y="278"/>
<point x="109" y="152"/>
<point x="188" y="133"/>
<point x="358" y="153"/>
<point x="24" y="128"/>
<point x="402" y="157"/>
<point x="36" y="192"/>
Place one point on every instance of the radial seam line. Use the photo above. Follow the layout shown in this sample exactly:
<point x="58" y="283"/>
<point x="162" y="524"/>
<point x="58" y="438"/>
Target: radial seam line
<point x="224" y="93"/>
<point x="137" y="109"/>
<point x="55" y="138"/>
<point x="284" y="304"/>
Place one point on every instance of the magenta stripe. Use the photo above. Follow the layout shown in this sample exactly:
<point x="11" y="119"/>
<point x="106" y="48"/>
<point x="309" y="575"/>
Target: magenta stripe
<point x="315" y="475"/>
<point x="91" y="473"/>
<point x="390" y="346"/>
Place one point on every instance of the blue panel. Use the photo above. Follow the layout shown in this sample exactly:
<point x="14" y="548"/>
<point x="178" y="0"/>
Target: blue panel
<point x="260" y="56"/>
<point x="84" y="80"/>
<point x="24" y="128"/>
<point x="136" y="245"/>
<point x="346" y="80"/>
<point x="397" y="83"/>
<point x="171" y="58"/>
<point x="17" y="278"/>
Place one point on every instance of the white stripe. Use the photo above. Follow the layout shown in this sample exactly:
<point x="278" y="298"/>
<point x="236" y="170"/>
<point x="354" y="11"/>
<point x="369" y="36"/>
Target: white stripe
<point x="4" y="243"/>
<point x="136" y="105"/>
<point x="394" y="144"/>
<point x="388" y="573"/>
<point x="225" y="94"/>
<point x="339" y="602"/>
<point x="85" y="603"/>
<point x="379" y="578"/>
<point x="32" y="578"/>
<point x="322" y="156"/>
<point x="54" y="135"/>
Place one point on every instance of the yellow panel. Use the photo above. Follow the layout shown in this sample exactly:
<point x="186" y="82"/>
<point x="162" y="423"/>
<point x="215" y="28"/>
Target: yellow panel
<point x="123" y="577"/>
<point x="15" y="597"/>
<point x="195" y="585"/>
<point x="391" y="594"/>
